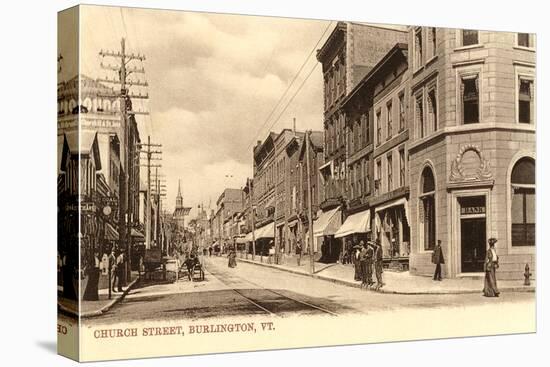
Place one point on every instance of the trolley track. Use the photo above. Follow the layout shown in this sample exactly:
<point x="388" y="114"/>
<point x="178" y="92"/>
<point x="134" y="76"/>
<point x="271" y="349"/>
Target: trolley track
<point x="269" y="306"/>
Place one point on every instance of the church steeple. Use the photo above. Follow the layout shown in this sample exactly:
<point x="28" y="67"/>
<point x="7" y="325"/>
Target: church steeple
<point x="179" y="198"/>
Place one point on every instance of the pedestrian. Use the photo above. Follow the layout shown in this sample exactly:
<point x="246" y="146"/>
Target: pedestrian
<point x="438" y="259"/>
<point x="271" y="252"/>
<point x="232" y="258"/>
<point x="91" y="291"/>
<point x="363" y="263"/>
<point x="370" y="261"/>
<point x="298" y="251"/>
<point x="120" y="271"/>
<point x="491" y="265"/>
<point x="210" y="251"/>
<point x="112" y="269"/>
<point x="378" y="265"/>
<point x="356" y="262"/>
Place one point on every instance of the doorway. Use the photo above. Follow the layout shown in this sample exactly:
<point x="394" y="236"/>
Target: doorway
<point x="473" y="248"/>
<point x="473" y="233"/>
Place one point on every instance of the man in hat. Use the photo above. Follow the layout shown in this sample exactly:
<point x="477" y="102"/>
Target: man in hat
<point x="491" y="265"/>
<point x="298" y="251"/>
<point x="437" y="259"/>
<point x="378" y="264"/>
<point x="356" y="263"/>
<point x="363" y="263"/>
<point x="370" y="260"/>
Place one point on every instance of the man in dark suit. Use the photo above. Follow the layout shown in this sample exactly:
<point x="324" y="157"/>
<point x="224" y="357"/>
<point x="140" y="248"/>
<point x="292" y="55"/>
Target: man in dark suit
<point x="437" y="259"/>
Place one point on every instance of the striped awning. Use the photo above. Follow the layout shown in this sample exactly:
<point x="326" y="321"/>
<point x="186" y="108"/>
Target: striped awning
<point x="111" y="234"/>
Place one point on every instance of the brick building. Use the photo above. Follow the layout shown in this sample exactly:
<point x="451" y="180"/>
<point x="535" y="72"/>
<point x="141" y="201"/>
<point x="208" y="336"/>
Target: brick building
<point x="377" y="135"/>
<point x="350" y="53"/>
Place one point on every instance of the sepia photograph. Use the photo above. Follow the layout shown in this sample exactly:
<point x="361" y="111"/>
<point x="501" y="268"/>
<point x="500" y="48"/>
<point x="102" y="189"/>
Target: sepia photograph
<point x="247" y="183"/>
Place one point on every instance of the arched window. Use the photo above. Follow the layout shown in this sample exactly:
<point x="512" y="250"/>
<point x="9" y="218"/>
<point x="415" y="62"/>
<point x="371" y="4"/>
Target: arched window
<point x="523" y="202"/>
<point x="427" y="210"/>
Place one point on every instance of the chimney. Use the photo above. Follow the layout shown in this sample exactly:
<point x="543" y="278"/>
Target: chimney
<point x="294" y="125"/>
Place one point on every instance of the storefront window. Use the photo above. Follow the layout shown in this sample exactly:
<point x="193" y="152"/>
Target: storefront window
<point x="427" y="210"/>
<point x="523" y="203"/>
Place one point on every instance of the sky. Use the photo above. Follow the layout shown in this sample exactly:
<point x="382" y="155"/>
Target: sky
<point x="213" y="81"/>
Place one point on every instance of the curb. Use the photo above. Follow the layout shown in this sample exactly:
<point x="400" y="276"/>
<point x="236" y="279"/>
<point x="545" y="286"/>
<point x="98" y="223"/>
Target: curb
<point x="103" y="309"/>
<point x="386" y="291"/>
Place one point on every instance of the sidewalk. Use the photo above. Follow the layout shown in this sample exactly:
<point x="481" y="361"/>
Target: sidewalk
<point x="96" y="308"/>
<point x="395" y="282"/>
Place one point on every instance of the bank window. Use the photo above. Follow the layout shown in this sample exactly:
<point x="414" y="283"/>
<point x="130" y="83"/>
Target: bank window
<point x="523" y="203"/>
<point x="470" y="99"/>
<point x="525" y="101"/>
<point x="523" y="40"/>
<point x="470" y="37"/>
<point x="389" y="112"/>
<point x="418" y="48"/>
<point x="378" y="127"/>
<point x="427" y="210"/>
<point x="390" y="171"/>
<point x="402" y="167"/>
<point x="419" y="115"/>
<point x="401" y="111"/>
<point x="432" y="109"/>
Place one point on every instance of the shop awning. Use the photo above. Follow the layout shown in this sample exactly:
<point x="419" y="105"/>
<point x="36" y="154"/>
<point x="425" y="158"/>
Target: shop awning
<point x="355" y="223"/>
<point x="111" y="234"/>
<point x="248" y="237"/>
<point x="402" y="201"/>
<point x="137" y="234"/>
<point x="267" y="231"/>
<point x="328" y="223"/>
<point x="240" y="240"/>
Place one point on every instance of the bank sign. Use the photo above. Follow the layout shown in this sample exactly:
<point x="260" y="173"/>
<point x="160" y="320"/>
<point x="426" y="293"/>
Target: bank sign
<point x="469" y="210"/>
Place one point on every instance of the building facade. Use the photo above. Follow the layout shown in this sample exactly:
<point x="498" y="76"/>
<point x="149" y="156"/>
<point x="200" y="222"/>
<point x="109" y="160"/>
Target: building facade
<point x="472" y="149"/>
<point x="350" y="53"/>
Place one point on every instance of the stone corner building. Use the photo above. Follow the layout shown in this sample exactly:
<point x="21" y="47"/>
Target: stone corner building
<point x="472" y="149"/>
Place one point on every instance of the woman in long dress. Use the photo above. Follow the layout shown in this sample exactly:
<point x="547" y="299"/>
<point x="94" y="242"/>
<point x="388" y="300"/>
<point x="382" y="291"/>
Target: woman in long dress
<point x="232" y="258"/>
<point x="491" y="265"/>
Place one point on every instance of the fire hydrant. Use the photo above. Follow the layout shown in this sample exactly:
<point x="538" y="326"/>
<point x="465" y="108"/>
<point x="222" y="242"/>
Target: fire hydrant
<point x="527" y="275"/>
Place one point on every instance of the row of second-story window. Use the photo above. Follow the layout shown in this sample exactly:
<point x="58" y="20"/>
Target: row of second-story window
<point x="386" y="124"/>
<point x="335" y="82"/>
<point x="269" y="175"/>
<point x="359" y="133"/>
<point x="359" y="179"/>
<point x="264" y="181"/>
<point x="425" y="111"/>
<point x="334" y="134"/>
<point x="468" y="104"/>
<point x="385" y="179"/>
<point x="425" y="43"/>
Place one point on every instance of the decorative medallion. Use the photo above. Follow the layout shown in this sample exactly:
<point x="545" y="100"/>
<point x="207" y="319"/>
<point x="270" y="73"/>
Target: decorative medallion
<point x="470" y="165"/>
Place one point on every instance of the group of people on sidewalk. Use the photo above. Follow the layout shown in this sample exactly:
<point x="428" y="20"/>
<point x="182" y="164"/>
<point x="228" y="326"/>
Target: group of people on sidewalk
<point x="367" y="256"/>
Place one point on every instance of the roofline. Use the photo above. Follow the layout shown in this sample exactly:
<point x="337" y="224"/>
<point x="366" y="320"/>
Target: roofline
<point x="339" y="27"/>
<point x="398" y="47"/>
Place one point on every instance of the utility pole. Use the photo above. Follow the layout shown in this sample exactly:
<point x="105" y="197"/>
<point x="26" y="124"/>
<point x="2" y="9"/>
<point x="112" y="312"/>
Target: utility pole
<point x="149" y="165"/>
<point x="123" y="70"/>
<point x="159" y="194"/>
<point x="309" y="204"/>
<point x="252" y="217"/>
